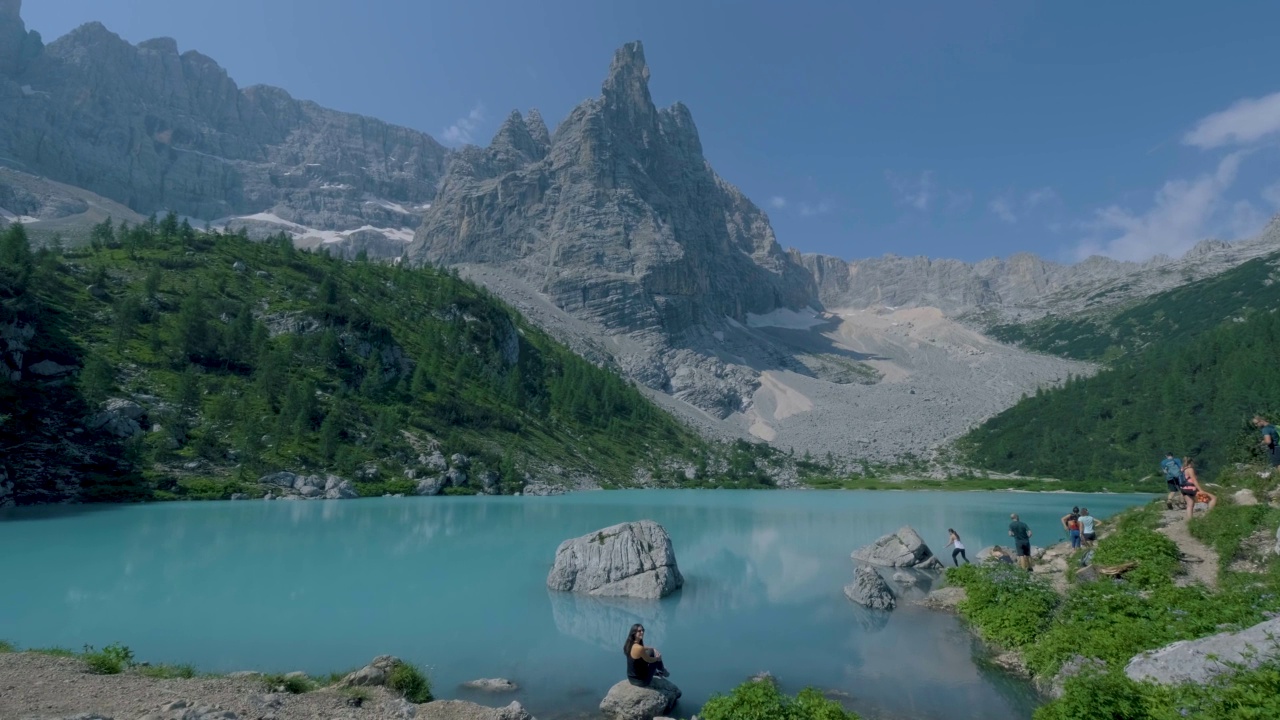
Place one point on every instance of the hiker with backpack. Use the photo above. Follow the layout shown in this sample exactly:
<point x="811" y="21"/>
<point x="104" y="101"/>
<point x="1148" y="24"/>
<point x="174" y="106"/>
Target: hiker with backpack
<point x="1192" y="490"/>
<point x="1071" y="521"/>
<point x="1172" y="469"/>
<point x="1270" y="441"/>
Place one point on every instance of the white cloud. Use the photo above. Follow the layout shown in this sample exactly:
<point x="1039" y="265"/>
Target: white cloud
<point x="777" y="202"/>
<point x="1271" y="194"/>
<point x="1009" y="207"/>
<point x="1183" y="212"/>
<point x="809" y="210"/>
<point x="1003" y="209"/>
<point x="1245" y="122"/>
<point x="914" y="192"/>
<point x="462" y="131"/>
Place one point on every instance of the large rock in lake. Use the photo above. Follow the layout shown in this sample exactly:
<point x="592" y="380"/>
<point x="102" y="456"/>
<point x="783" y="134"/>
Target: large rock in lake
<point x="904" y="548"/>
<point x="870" y="590"/>
<point x="632" y="559"/>
<point x="632" y="702"/>
<point x="1199" y="661"/>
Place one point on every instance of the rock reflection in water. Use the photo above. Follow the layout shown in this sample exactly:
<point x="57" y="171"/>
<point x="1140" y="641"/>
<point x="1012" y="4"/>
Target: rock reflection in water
<point x="604" y="622"/>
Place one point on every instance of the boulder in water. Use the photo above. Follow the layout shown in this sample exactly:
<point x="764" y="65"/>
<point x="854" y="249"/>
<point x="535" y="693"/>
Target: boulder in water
<point x="493" y="685"/>
<point x="632" y="559"/>
<point x="631" y="702"/>
<point x="901" y="549"/>
<point x="371" y="675"/>
<point x="870" y="590"/>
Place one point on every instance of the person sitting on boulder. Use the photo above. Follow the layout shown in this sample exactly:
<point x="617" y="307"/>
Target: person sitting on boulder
<point x="1192" y="490"/>
<point x="999" y="555"/>
<point x="643" y="663"/>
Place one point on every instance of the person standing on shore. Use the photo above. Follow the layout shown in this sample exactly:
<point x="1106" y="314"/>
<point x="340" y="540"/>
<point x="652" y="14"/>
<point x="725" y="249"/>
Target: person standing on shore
<point x="1270" y="442"/>
<point x="1071" y="521"/>
<point x="1088" y="531"/>
<point x="1021" y="535"/>
<point x="954" y="539"/>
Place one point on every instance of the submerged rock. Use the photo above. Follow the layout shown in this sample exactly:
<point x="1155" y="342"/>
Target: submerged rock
<point x="1199" y="661"/>
<point x="901" y="549"/>
<point x="947" y="598"/>
<point x="632" y="559"/>
<point x="494" y="685"/>
<point x="463" y="710"/>
<point x="631" y="702"/>
<point x="870" y="590"/>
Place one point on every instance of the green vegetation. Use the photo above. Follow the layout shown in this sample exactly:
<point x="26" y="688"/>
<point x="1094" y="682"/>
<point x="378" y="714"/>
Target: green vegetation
<point x="294" y="684"/>
<point x="7" y="647"/>
<point x="1100" y="626"/>
<point x="167" y="672"/>
<point x="110" y="660"/>
<point x="1192" y="396"/>
<point x="761" y="700"/>
<point x="976" y="482"/>
<point x="410" y="682"/>
<point x="249" y="358"/>
<point x="1248" y="290"/>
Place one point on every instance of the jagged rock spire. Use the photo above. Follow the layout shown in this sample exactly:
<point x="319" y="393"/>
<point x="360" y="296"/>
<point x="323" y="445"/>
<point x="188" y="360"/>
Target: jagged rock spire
<point x="537" y="127"/>
<point x="626" y="89"/>
<point x="17" y="46"/>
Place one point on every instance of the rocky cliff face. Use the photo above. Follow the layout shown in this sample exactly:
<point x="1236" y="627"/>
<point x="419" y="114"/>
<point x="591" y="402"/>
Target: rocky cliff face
<point x="618" y="218"/>
<point x="1022" y="286"/>
<point x="620" y="222"/>
<point x="156" y="129"/>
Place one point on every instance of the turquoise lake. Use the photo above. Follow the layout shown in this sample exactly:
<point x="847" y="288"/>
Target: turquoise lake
<point x="457" y="585"/>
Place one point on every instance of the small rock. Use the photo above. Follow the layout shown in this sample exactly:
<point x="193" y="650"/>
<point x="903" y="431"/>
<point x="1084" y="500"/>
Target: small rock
<point x="244" y="674"/>
<point x="373" y="674"/>
<point x="947" y="598"/>
<point x="1245" y="497"/>
<point x="239" y="496"/>
<point x="494" y="685"/>
<point x="239" y="266"/>
<point x="1087" y="575"/>
<point x="49" y="368"/>
<point x="903" y="578"/>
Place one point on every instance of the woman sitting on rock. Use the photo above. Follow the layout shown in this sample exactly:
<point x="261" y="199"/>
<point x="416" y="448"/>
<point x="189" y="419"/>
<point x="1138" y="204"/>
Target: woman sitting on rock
<point x="643" y="663"/>
<point x="1192" y="491"/>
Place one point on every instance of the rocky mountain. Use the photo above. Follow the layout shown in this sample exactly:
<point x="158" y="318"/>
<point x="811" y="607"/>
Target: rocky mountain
<point x="155" y="129"/>
<point x="617" y="234"/>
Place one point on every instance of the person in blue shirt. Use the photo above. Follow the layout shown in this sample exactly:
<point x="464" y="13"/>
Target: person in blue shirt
<point x="1171" y="466"/>
<point x="1270" y="440"/>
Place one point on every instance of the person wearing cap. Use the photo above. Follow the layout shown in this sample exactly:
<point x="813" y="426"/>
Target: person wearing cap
<point x="1021" y="535"/>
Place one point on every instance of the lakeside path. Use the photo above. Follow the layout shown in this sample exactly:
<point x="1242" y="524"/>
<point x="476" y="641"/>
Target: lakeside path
<point x="1199" y="561"/>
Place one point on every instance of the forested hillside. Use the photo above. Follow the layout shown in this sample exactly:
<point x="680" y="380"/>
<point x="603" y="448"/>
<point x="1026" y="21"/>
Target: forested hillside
<point x="161" y="361"/>
<point x="1171" y="316"/>
<point x="1191" y="367"/>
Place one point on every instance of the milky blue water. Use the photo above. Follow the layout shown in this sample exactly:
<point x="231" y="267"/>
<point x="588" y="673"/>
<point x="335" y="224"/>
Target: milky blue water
<point x="458" y="586"/>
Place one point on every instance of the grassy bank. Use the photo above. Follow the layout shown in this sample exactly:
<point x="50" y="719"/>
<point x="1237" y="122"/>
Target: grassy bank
<point x="1096" y="628"/>
<point x="975" y="482"/>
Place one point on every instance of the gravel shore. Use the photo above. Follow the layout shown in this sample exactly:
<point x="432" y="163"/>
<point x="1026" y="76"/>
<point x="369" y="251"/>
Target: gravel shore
<point x="35" y="686"/>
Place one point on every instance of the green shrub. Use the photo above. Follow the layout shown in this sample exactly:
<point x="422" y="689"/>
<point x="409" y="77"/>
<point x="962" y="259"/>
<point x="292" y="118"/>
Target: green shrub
<point x="409" y="681"/>
<point x="1009" y="605"/>
<point x="165" y="672"/>
<point x="1242" y="695"/>
<point x="1109" y="695"/>
<point x="7" y="647"/>
<point x="763" y="701"/>
<point x="1156" y="555"/>
<point x="296" y="685"/>
<point x="110" y="660"/>
<point x="54" y="651"/>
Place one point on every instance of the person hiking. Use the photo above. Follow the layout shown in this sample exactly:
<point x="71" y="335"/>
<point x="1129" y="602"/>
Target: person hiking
<point x="643" y="663"/>
<point x="1088" y="530"/>
<point x="1192" y="491"/>
<point x="1270" y="440"/>
<point x="954" y="539"/>
<point x="1172" y="469"/>
<point x="1021" y="535"/>
<point x="1071" y="521"/>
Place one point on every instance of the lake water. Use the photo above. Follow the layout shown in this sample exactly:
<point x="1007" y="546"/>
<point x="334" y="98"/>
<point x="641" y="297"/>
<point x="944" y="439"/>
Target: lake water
<point x="457" y="585"/>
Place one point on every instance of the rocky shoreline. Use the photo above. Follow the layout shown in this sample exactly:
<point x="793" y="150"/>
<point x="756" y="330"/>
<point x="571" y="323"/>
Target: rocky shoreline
<point x="40" y="686"/>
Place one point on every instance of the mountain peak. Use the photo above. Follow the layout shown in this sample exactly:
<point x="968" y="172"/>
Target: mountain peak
<point x="628" y="80"/>
<point x="17" y="46"/>
<point x="537" y="127"/>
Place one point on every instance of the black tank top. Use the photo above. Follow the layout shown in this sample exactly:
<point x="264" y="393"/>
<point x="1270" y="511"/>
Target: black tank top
<point x="639" y="669"/>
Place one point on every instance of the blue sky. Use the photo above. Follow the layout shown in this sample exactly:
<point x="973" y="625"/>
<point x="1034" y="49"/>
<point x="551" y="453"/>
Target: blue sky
<point x="965" y="129"/>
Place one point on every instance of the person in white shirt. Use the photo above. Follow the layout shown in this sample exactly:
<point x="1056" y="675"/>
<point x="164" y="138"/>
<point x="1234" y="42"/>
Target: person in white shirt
<point x="959" y="547"/>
